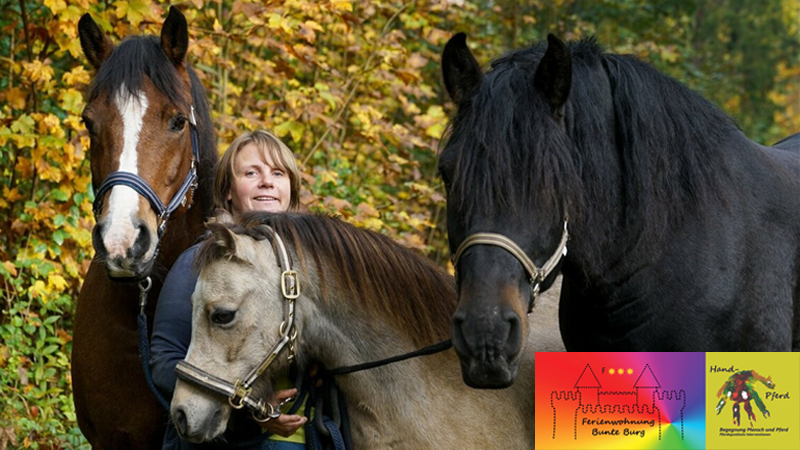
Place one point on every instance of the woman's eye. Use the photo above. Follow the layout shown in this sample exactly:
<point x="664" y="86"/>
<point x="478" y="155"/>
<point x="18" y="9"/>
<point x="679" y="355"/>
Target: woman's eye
<point x="222" y="316"/>
<point x="250" y="173"/>
<point x="277" y="173"/>
<point x="178" y="123"/>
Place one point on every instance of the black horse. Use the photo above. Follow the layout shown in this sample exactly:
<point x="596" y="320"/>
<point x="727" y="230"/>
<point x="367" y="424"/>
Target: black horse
<point x="684" y="235"/>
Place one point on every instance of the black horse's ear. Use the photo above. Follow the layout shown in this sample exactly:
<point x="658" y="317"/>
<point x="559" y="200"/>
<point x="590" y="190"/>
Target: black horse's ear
<point x="554" y="75"/>
<point x="461" y="72"/>
<point x="175" y="36"/>
<point x="95" y="44"/>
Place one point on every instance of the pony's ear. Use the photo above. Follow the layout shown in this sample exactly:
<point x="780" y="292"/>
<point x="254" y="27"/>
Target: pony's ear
<point x="223" y="238"/>
<point x="175" y="36"/>
<point x="95" y="44"/>
<point x="554" y="75"/>
<point x="461" y="72"/>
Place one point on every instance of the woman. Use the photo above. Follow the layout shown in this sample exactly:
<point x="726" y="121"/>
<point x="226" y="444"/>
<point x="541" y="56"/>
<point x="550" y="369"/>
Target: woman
<point x="257" y="173"/>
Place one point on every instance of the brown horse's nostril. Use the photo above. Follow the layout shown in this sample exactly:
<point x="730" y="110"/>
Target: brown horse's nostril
<point x="97" y="241"/>
<point x="142" y="243"/>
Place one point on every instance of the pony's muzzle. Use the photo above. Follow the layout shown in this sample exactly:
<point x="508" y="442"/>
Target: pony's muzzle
<point x="488" y="346"/>
<point x="194" y="428"/>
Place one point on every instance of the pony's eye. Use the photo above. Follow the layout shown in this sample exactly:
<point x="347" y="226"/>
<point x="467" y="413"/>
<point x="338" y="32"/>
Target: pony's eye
<point x="178" y="122"/>
<point x="222" y="316"/>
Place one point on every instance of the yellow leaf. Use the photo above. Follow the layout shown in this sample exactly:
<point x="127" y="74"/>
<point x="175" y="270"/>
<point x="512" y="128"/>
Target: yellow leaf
<point x="78" y="75"/>
<point x="342" y="5"/>
<point x="38" y="289"/>
<point x="9" y="266"/>
<point x="328" y="176"/>
<point x="16" y="98"/>
<point x="56" y="283"/>
<point x="37" y="71"/>
<point x="11" y="195"/>
<point x="372" y="223"/>
<point x="55" y="6"/>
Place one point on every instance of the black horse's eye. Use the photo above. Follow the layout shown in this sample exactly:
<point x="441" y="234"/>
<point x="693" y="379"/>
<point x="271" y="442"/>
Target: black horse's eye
<point x="222" y="316"/>
<point x="178" y="122"/>
<point x="445" y="179"/>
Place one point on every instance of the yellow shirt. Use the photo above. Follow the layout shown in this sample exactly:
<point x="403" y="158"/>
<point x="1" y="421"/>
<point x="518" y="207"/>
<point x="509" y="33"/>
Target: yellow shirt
<point x="299" y="437"/>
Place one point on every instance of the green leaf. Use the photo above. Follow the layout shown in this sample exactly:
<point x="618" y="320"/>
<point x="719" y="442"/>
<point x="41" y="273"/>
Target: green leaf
<point x="59" y="236"/>
<point x="59" y="195"/>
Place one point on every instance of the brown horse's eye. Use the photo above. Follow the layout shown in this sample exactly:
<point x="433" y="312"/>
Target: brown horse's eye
<point x="222" y="316"/>
<point x="89" y="124"/>
<point x="178" y="123"/>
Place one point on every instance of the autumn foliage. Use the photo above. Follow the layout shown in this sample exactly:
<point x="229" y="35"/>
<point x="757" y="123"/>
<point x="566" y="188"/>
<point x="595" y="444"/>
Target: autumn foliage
<point x="352" y="86"/>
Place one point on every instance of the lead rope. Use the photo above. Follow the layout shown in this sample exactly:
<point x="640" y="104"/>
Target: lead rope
<point x="144" y="342"/>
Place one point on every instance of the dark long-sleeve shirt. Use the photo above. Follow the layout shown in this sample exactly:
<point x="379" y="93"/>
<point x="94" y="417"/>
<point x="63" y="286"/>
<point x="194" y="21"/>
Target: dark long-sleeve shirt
<point x="172" y="332"/>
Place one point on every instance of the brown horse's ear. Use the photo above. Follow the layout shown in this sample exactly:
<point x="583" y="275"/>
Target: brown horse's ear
<point x="461" y="72"/>
<point x="95" y="44"/>
<point x="175" y="36"/>
<point x="554" y="75"/>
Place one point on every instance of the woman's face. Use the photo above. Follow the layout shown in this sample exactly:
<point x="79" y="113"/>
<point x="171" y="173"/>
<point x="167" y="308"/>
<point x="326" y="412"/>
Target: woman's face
<point x="258" y="183"/>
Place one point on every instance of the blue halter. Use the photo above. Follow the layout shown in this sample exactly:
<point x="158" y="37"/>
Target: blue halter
<point x="141" y="187"/>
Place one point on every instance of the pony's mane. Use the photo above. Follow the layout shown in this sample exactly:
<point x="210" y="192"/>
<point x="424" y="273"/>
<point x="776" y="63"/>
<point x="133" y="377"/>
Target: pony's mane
<point x="381" y="276"/>
<point x="509" y="149"/>
<point x="137" y="57"/>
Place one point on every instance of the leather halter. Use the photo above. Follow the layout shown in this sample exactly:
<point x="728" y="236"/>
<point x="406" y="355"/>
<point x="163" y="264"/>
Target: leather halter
<point x="239" y="394"/>
<point x="537" y="275"/>
<point x="141" y="187"/>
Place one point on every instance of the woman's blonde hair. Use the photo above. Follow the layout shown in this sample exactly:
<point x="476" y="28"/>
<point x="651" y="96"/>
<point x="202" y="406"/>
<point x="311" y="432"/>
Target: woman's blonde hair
<point x="268" y="145"/>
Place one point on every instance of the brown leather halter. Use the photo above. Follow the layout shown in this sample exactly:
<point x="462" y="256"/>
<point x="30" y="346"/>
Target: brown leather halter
<point x="537" y="275"/>
<point x="240" y="393"/>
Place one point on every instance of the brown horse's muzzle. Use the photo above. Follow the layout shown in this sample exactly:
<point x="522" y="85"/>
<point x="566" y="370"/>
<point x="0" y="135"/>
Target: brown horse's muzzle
<point x="126" y="251"/>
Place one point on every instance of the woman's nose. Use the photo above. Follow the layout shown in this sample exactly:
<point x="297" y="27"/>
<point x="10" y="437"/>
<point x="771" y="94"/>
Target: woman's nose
<point x="266" y="181"/>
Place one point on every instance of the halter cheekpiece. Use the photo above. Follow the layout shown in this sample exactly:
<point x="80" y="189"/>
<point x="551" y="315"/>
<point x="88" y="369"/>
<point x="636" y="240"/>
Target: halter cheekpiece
<point x="537" y="275"/>
<point x="141" y="187"/>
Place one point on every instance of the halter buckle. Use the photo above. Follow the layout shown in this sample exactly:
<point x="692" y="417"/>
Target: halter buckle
<point x="239" y="393"/>
<point x="290" y="292"/>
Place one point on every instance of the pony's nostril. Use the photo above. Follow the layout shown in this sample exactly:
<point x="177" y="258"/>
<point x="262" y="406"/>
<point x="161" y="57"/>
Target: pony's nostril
<point x="179" y="419"/>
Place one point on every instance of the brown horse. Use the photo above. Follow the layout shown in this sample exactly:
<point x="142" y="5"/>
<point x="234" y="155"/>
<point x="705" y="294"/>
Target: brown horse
<point x="362" y="297"/>
<point x="152" y="139"/>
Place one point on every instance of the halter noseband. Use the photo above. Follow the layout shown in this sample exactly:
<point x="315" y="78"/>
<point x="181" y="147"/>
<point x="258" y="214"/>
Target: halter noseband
<point x="537" y="275"/>
<point x="240" y="393"/>
<point x="141" y="187"/>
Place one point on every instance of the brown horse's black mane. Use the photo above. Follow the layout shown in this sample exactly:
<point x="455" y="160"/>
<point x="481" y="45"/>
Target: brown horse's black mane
<point x="140" y="57"/>
<point x="386" y="278"/>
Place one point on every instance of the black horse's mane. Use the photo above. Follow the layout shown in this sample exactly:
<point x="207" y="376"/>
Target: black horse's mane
<point x="667" y="138"/>
<point x="378" y="274"/>
<point x="140" y="57"/>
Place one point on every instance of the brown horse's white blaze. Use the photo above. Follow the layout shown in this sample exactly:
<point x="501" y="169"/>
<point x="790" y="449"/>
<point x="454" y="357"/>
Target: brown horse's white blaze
<point x="124" y="238"/>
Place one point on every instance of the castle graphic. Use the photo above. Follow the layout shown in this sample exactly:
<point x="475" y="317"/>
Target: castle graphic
<point x="593" y="411"/>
